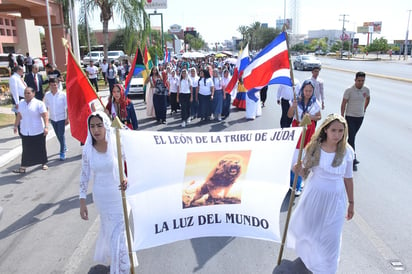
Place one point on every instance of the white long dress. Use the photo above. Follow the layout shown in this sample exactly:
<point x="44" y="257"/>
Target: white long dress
<point x="111" y="243"/>
<point x="253" y="109"/>
<point x="316" y="225"/>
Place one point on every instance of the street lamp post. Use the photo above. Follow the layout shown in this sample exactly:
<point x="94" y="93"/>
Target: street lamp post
<point x="405" y="52"/>
<point x="161" y="26"/>
<point x="343" y="33"/>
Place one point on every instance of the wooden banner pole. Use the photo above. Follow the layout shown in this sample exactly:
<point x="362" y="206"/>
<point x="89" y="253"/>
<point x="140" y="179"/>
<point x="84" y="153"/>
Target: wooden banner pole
<point x="305" y="122"/>
<point x="118" y="125"/>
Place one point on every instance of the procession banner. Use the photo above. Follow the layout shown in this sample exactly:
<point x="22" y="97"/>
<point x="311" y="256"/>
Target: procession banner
<point x="189" y="185"/>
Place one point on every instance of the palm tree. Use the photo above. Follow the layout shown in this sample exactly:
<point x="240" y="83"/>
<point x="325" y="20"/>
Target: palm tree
<point x="244" y="30"/>
<point x="253" y="34"/>
<point x="130" y="12"/>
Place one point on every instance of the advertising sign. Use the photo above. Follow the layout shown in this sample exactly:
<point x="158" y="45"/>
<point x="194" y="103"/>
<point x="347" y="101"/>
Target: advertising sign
<point x="363" y="29"/>
<point x="377" y="26"/>
<point x="156" y="4"/>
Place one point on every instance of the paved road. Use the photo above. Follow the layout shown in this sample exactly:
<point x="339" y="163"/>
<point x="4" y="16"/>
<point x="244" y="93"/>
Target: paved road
<point x="41" y="231"/>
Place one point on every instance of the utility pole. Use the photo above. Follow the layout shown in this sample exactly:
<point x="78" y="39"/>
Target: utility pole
<point x="343" y="31"/>
<point x="405" y="52"/>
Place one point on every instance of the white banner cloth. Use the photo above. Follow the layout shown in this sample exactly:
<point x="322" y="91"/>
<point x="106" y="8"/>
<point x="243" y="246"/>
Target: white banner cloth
<point x="189" y="185"/>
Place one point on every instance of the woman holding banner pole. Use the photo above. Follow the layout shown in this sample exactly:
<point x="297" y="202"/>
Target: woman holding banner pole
<point x="305" y="104"/>
<point x="99" y="161"/>
<point x="316" y="226"/>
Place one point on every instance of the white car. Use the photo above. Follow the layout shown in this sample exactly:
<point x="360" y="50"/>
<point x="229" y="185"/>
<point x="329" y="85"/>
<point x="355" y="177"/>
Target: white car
<point x="39" y="63"/>
<point x="116" y="55"/>
<point x="136" y="85"/>
<point x="95" y="56"/>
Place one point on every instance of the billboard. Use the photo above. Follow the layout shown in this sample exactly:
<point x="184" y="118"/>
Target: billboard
<point x="377" y="26"/>
<point x="363" y="29"/>
<point x="156" y="4"/>
<point x="281" y="22"/>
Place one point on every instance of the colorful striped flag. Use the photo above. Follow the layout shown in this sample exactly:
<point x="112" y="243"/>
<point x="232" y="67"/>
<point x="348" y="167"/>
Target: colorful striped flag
<point x="137" y="67"/>
<point x="147" y="62"/>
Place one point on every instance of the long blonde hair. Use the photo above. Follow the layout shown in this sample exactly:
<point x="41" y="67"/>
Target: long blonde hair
<point x="312" y="150"/>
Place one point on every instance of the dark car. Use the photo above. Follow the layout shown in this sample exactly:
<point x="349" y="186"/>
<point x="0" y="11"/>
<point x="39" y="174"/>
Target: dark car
<point x="306" y="62"/>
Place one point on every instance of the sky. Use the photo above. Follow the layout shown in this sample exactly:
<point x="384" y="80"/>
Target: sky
<point x="218" y="20"/>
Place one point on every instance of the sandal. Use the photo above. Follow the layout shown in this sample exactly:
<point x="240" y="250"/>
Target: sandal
<point x="20" y="170"/>
<point x="44" y="167"/>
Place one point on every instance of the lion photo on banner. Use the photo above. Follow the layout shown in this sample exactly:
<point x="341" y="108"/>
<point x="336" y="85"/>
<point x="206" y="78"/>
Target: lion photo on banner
<point x="213" y="178"/>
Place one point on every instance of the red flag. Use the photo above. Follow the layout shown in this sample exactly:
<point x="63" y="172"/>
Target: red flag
<point x="79" y="94"/>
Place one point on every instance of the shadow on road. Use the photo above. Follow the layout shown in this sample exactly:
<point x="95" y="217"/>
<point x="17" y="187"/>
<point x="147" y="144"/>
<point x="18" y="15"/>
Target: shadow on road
<point x="31" y="218"/>
<point x="291" y="267"/>
<point x="206" y="248"/>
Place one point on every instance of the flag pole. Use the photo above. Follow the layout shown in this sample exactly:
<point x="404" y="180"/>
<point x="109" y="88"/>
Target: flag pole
<point x="66" y="45"/>
<point x="118" y="125"/>
<point x="304" y="123"/>
<point x="292" y="78"/>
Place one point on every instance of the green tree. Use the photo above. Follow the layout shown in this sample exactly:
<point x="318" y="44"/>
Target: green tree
<point x="378" y="45"/>
<point x="265" y="36"/>
<point x="336" y="46"/>
<point x="130" y="12"/>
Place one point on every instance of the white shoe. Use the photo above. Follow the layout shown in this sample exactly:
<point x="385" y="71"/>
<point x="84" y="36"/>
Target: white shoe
<point x="188" y="120"/>
<point x="184" y="124"/>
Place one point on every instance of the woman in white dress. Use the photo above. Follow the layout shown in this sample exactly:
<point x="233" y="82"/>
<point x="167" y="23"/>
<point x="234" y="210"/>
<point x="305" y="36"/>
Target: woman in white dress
<point x="316" y="226"/>
<point x="99" y="162"/>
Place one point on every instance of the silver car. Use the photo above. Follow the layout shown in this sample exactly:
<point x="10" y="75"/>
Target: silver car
<point x="306" y="62"/>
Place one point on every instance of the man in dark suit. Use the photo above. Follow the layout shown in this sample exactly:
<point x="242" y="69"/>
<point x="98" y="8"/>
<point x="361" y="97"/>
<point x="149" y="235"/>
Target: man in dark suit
<point x="35" y="81"/>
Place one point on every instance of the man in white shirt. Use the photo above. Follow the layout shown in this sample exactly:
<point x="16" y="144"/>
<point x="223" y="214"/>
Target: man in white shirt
<point x="17" y="86"/>
<point x="104" y="67"/>
<point x="284" y="96"/>
<point x="92" y="72"/>
<point x="318" y="83"/>
<point x="56" y="104"/>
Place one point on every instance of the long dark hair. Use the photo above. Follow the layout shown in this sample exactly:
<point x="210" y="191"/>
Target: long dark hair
<point x="206" y="75"/>
<point x="88" y="124"/>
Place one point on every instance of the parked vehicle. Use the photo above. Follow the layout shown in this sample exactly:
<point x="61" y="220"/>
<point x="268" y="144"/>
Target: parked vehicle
<point x="306" y="62"/>
<point x="39" y="63"/>
<point x="136" y="85"/>
<point x="4" y="72"/>
<point x="95" y="56"/>
<point x="116" y="55"/>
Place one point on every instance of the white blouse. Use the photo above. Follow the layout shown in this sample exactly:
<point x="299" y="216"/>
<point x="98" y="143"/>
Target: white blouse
<point x="205" y="89"/>
<point x="31" y="123"/>
<point x="184" y="86"/>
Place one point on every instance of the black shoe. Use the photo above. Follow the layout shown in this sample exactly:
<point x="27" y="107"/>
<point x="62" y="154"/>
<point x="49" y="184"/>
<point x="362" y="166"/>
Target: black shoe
<point x="355" y="162"/>
<point x="355" y="168"/>
<point x="164" y="122"/>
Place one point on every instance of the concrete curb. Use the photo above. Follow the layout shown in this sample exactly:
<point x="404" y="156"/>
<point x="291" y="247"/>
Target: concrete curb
<point x="372" y="74"/>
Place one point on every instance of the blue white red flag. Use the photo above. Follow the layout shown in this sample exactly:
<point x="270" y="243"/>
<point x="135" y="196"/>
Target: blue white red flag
<point x="241" y="64"/>
<point x="167" y="56"/>
<point x="270" y="66"/>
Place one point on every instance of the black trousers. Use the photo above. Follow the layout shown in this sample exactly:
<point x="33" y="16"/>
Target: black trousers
<point x="94" y="83"/>
<point x="263" y="94"/>
<point x="160" y="106"/>
<point x="354" y="124"/>
<point x="174" y="105"/>
<point x="184" y="100"/>
<point x="285" y="121"/>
